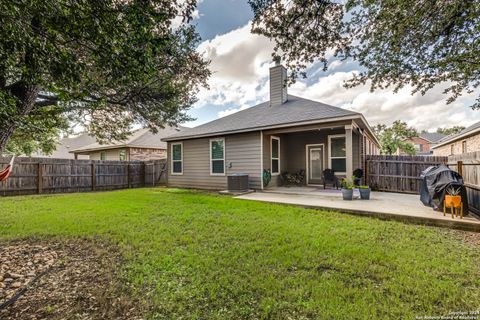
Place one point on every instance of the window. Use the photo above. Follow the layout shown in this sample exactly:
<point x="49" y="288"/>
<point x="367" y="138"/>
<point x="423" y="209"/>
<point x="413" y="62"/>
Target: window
<point x="177" y="158"/>
<point x="275" y="154"/>
<point x="451" y="149"/>
<point x="464" y="146"/>
<point x="337" y="153"/>
<point x="123" y="155"/>
<point x="103" y="155"/>
<point x="217" y="157"/>
<point x="419" y="147"/>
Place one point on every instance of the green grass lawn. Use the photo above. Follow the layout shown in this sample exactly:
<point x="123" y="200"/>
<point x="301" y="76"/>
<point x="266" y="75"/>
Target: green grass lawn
<point x="196" y="255"/>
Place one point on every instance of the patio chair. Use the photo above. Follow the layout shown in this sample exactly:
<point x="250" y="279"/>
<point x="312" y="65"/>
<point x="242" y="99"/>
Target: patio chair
<point x="358" y="174"/>
<point x="330" y="178"/>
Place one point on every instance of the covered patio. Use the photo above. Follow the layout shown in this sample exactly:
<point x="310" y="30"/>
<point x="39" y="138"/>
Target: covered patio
<point x="383" y="205"/>
<point x="340" y="145"/>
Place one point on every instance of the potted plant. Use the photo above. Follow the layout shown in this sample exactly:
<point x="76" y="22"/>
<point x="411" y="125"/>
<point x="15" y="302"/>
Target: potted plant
<point x="453" y="198"/>
<point x="364" y="192"/>
<point x="347" y="189"/>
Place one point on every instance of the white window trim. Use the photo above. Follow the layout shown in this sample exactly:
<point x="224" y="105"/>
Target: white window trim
<point x="271" y="158"/>
<point x="210" y="153"/>
<point x="105" y="153"/>
<point x="330" y="151"/>
<point x="120" y="154"/>
<point x="172" y="161"/>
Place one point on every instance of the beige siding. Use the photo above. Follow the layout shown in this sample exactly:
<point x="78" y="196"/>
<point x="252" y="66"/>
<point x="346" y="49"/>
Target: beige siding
<point x="278" y="89"/>
<point x="112" y="154"/>
<point x="356" y="147"/>
<point x="242" y="151"/>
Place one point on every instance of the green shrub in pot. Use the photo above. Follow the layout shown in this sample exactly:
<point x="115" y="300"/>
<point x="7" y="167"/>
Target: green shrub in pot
<point x="347" y="189"/>
<point x="364" y="192"/>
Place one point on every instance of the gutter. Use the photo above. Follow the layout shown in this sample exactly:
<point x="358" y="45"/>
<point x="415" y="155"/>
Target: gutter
<point x="114" y="147"/>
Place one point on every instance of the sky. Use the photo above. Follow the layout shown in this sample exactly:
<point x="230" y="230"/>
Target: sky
<point x="240" y="63"/>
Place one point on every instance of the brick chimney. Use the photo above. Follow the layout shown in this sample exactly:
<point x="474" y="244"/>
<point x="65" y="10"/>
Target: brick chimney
<point x="278" y="85"/>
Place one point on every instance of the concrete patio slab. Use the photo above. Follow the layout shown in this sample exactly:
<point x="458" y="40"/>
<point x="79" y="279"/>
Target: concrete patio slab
<point x="383" y="205"/>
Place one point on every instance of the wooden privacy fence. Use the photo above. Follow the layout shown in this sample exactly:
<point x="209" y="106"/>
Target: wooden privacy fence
<point x="468" y="166"/>
<point x="398" y="173"/>
<point x="44" y="175"/>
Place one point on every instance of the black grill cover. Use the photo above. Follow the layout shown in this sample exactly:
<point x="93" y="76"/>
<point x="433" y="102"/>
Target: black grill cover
<point x="435" y="182"/>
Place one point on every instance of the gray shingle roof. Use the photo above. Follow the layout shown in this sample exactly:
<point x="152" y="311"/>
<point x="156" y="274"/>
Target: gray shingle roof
<point x="139" y="138"/>
<point x="466" y="131"/>
<point x="67" y="144"/>
<point x="296" y="109"/>
<point x="432" y="136"/>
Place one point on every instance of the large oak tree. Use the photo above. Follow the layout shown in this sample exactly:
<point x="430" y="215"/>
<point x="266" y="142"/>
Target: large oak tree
<point x="395" y="138"/>
<point x="106" y="64"/>
<point x="396" y="42"/>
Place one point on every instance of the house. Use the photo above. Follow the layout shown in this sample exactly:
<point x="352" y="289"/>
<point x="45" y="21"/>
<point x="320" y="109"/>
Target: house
<point x="424" y="142"/>
<point x="141" y="145"/>
<point x="285" y="134"/>
<point x="467" y="140"/>
<point x="65" y="145"/>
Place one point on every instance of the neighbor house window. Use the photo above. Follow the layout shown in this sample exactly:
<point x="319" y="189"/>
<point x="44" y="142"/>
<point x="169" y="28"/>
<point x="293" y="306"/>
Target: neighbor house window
<point x="337" y="153"/>
<point x="103" y="155"/>
<point x="275" y="154"/>
<point x="123" y="155"/>
<point x="464" y="146"/>
<point x="451" y="149"/>
<point x="419" y="147"/>
<point x="177" y="158"/>
<point x="217" y="156"/>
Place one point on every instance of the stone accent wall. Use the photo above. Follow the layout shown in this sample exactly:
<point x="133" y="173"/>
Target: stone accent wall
<point x="144" y="154"/>
<point x="473" y="144"/>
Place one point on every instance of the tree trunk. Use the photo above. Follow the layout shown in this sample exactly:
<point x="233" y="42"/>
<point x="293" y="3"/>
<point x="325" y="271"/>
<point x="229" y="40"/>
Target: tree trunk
<point x="26" y="95"/>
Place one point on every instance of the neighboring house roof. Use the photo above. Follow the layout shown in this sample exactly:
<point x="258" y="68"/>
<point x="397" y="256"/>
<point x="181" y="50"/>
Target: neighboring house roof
<point x="66" y="144"/>
<point x="432" y="137"/>
<point x="263" y="116"/>
<point x="141" y="138"/>
<point x="473" y="129"/>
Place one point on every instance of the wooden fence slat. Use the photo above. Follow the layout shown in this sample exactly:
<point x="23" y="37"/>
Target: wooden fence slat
<point x="40" y="178"/>
<point x="468" y="166"/>
<point x="45" y="175"/>
<point x="402" y="173"/>
<point x="398" y="173"/>
<point x="94" y="176"/>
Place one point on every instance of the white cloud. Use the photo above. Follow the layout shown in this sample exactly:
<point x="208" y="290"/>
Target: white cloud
<point x="240" y="64"/>
<point x="427" y="111"/>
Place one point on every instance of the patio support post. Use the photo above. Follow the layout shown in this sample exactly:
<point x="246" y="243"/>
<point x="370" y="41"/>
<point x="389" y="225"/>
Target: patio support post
<point x="349" y="151"/>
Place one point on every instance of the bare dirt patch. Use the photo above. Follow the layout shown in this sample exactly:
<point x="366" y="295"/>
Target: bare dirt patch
<point x="75" y="279"/>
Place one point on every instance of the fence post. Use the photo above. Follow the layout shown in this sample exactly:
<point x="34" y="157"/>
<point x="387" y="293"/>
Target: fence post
<point x="153" y="173"/>
<point x="128" y="176"/>
<point x="459" y="167"/>
<point x="94" y="177"/>
<point x="40" y="179"/>
<point x="366" y="172"/>
<point x="144" y="167"/>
